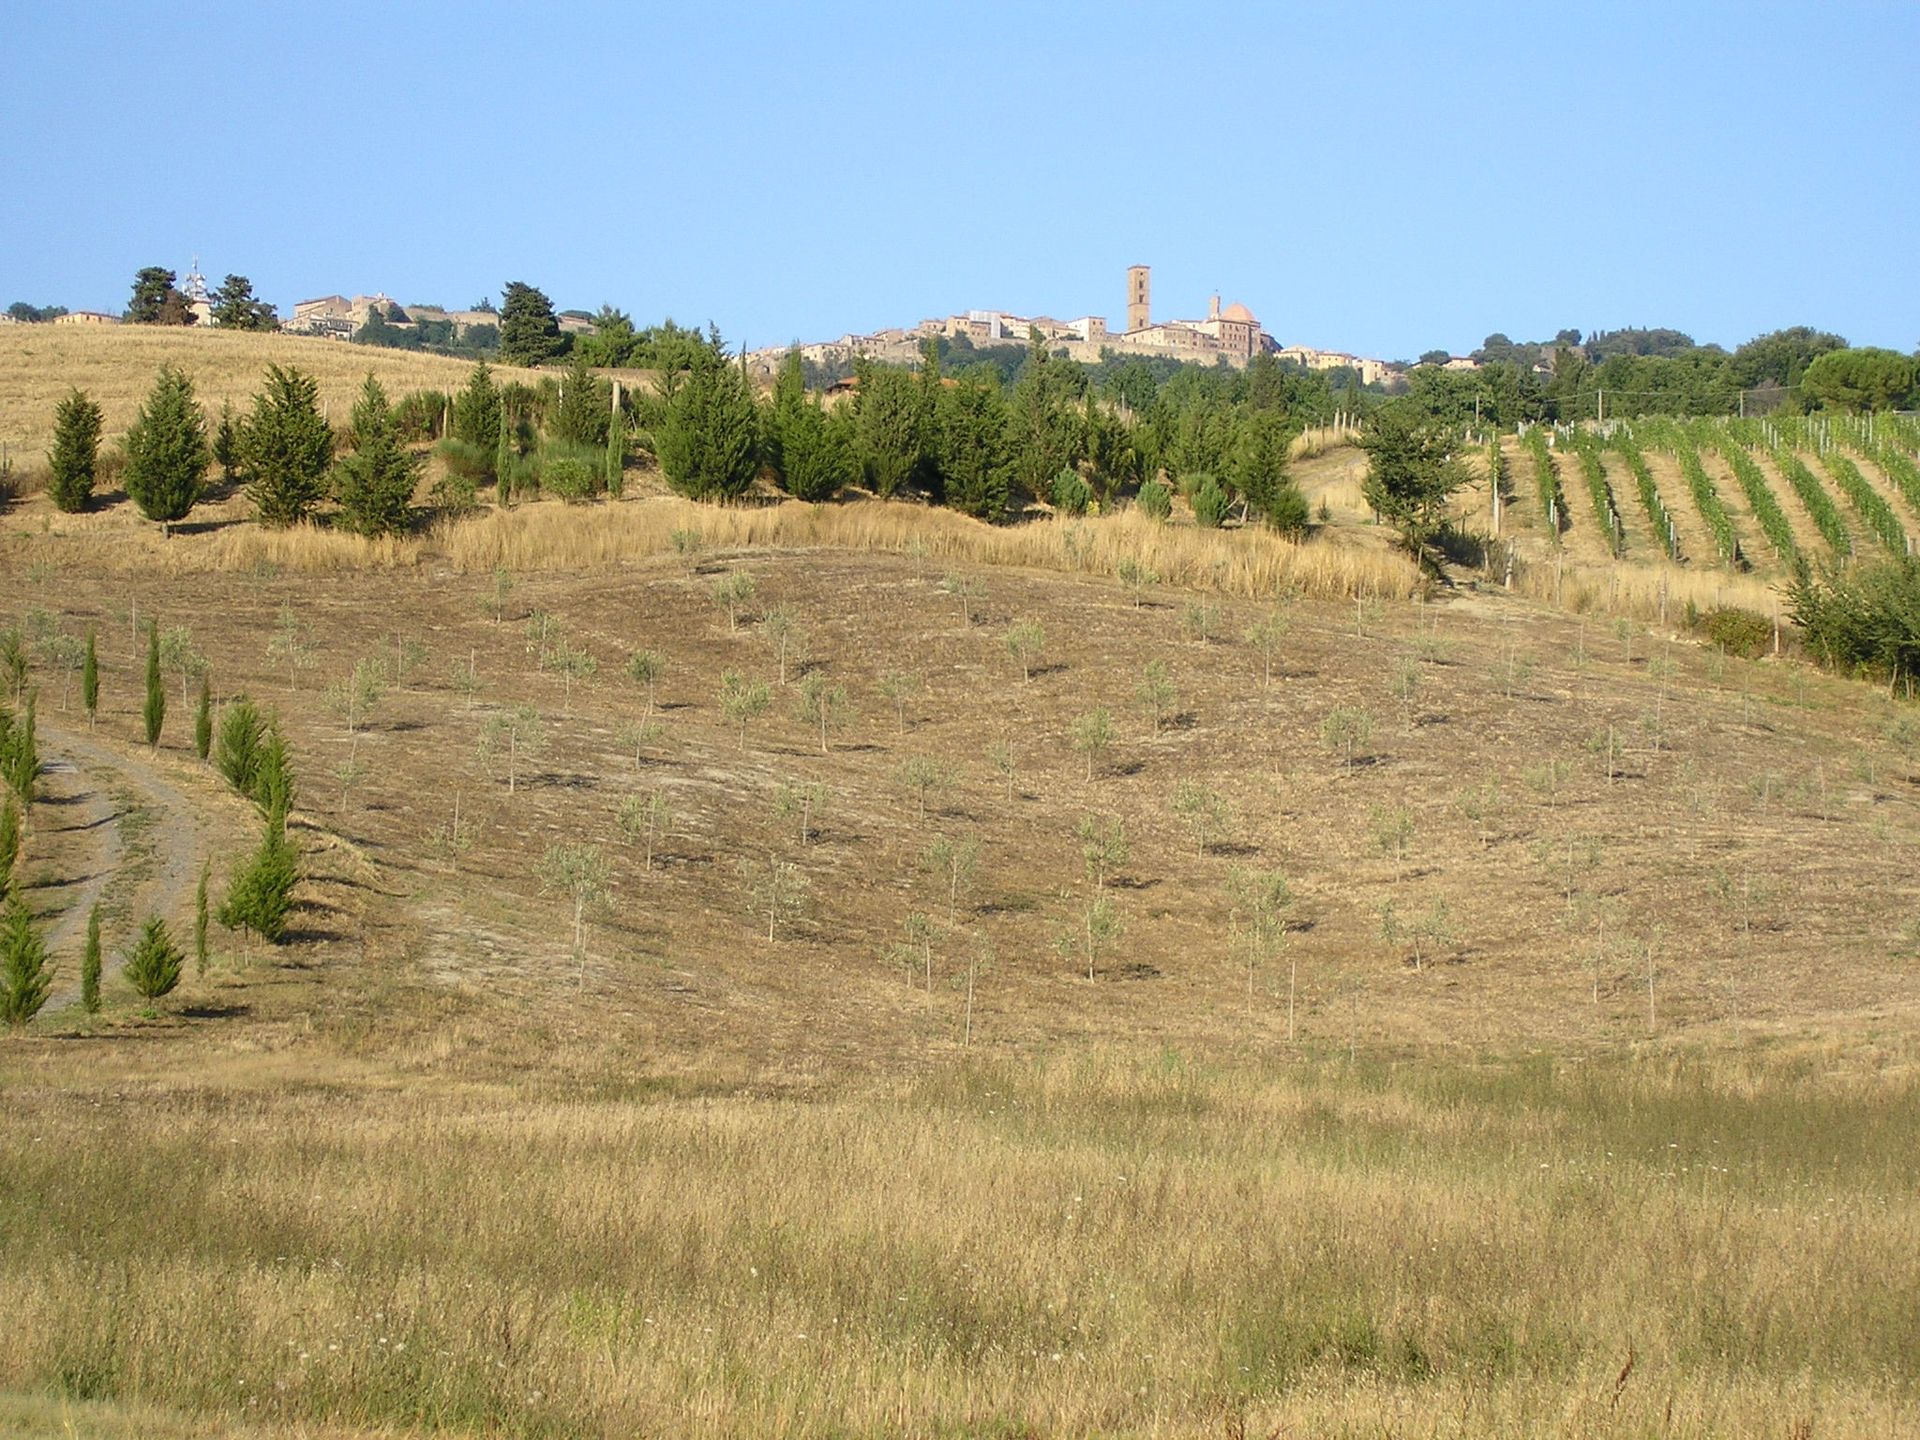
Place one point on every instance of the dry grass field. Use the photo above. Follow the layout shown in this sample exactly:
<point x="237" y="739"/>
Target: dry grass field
<point x="1571" y="1090"/>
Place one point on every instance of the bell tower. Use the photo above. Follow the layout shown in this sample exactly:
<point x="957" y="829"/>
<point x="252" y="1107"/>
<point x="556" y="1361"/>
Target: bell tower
<point x="1139" y="302"/>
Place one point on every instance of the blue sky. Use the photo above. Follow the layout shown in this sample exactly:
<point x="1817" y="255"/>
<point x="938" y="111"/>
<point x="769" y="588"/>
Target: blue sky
<point x="1380" y="178"/>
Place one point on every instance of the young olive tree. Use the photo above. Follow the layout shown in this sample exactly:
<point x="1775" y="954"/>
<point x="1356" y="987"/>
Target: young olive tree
<point x="1092" y="736"/>
<point x="897" y="687"/>
<point x="578" y="873"/>
<point x="822" y="705"/>
<point x="776" y="888"/>
<point x="956" y="860"/>
<point x="1024" y="641"/>
<point x="743" y="700"/>
<point x="518" y="734"/>
<point x="733" y="592"/>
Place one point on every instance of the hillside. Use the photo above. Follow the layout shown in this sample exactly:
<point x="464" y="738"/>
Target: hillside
<point x="116" y="365"/>
<point x="1020" y="996"/>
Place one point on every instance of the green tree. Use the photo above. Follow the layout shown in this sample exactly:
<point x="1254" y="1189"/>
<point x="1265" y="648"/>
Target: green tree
<point x="975" y="475"/>
<point x="167" y="451"/>
<point x="1411" y="472"/>
<point x="20" y="753"/>
<point x="25" y="975"/>
<point x="585" y="404"/>
<point x="1260" y="471"/>
<point x="76" y="452"/>
<point x="476" y="412"/>
<point x="9" y="842"/>
<point x="810" y="450"/>
<point x="1047" y="429"/>
<point x="200" y="921"/>
<point x="580" y="873"/>
<point x="260" y="891"/>
<point x="889" y="426"/>
<point x="203" y="719"/>
<point x="90" y="965"/>
<point x="90" y="681"/>
<point x="286" y="447"/>
<point x="1856" y="380"/>
<point x="707" y="441"/>
<point x="376" y="482"/>
<point x="529" y="330"/>
<point x="155" y="713"/>
<point x="154" y="967"/>
<point x="236" y="308"/>
<point x="155" y="300"/>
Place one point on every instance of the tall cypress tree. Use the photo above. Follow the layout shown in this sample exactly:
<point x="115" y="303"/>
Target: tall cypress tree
<point x="90" y="681"/>
<point x="22" y="755"/>
<point x="617" y="455"/>
<point x="582" y="414"/>
<point x="377" y="481"/>
<point x="260" y="893"/>
<point x="167" y="451"/>
<point x="75" y="453"/>
<point x="286" y="446"/>
<point x="9" y="842"/>
<point x="203" y="719"/>
<point x="90" y="965"/>
<point x="155" y="713"/>
<point x="25" y="976"/>
<point x="200" y="922"/>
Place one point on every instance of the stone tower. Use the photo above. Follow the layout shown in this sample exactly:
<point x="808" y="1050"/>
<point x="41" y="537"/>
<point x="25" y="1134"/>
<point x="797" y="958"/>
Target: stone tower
<point x="1139" y="307"/>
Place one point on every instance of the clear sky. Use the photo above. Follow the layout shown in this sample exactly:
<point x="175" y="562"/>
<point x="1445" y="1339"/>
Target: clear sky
<point x="1380" y="178"/>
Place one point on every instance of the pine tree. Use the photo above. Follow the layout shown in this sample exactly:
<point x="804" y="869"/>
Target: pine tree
<point x="76" y="452"/>
<point x="226" y="442"/>
<point x="9" y="842"/>
<point x="167" y="451"/>
<point x="377" y="481"/>
<point x="973" y="449"/>
<point x="235" y="308"/>
<point x="90" y="965"/>
<point x="476" y="411"/>
<point x="286" y="446"/>
<point x="155" y="713"/>
<point x="260" y="892"/>
<point x="707" y="441"/>
<point x="529" y="330"/>
<point x="203" y="720"/>
<point x="90" y="681"/>
<point x="155" y="300"/>
<point x="810" y="451"/>
<point x="154" y="967"/>
<point x="200" y="922"/>
<point x="25" y="976"/>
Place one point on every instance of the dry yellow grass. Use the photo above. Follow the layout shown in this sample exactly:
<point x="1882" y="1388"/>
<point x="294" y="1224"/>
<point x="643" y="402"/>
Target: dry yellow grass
<point x="1093" y="1245"/>
<point x="116" y="366"/>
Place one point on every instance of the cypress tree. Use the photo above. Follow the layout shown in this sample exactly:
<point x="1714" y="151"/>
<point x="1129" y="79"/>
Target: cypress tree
<point x="260" y="892"/>
<point x="203" y="720"/>
<point x="76" y="451"/>
<point x="243" y="731"/>
<point x="155" y="713"/>
<point x="581" y="416"/>
<point x="25" y="976"/>
<point x="90" y="965"/>
<point x="154" y="967"/>
<point x="616" y="455"/>
<point x="167" y="451"/>
<point x="22" y="755"/>
<point x="90" y="681"/>
<point x="9" y="843"/>
<point x="476" y="411"/>
<point x="377" y="481"/>
<point x="273" y="781"/>
<point x="708" y="441"/>
<point x="286" y="446"/>
<point x="200" y="922"/>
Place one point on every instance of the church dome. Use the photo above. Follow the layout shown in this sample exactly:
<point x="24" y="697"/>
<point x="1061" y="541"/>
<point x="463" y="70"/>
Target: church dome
<point x="1237" y="311"/>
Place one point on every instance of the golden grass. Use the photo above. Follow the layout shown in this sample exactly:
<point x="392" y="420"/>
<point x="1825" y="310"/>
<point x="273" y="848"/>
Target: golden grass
<point x="1247" y="562"/>
<point x="1096" y="1244"/>
<point x="1657" y="591"/>
<point x="116" y="366"/>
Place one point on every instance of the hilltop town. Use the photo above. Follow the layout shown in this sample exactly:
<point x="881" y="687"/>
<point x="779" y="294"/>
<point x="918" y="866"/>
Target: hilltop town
<point x="1231" y="335"/>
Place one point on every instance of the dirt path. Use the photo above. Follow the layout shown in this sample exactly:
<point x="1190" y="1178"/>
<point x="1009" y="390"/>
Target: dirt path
<point x="128" y="839"/>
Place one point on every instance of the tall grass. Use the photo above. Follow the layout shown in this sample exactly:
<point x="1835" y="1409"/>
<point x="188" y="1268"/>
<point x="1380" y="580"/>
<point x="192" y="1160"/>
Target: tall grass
<point x="1251" y="561"/>
<point x="1089" y="1245"/>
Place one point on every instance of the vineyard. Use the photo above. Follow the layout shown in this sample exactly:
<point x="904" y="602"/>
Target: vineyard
<point x="1720" y="510"/>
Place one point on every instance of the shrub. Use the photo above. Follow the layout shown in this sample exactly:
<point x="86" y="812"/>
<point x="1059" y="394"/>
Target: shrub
<point x="1156" y="500"/>
<point x="419" y="416"/>
<point x="1071" y="495"/>
<point x="467" y="461"/>
<point x="155" y="965"/>
<point x="1745" y="633"/>
<point x="1865" y="619"/>
<point x="572" y="479"/>
<point x="1209" y="502"/>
